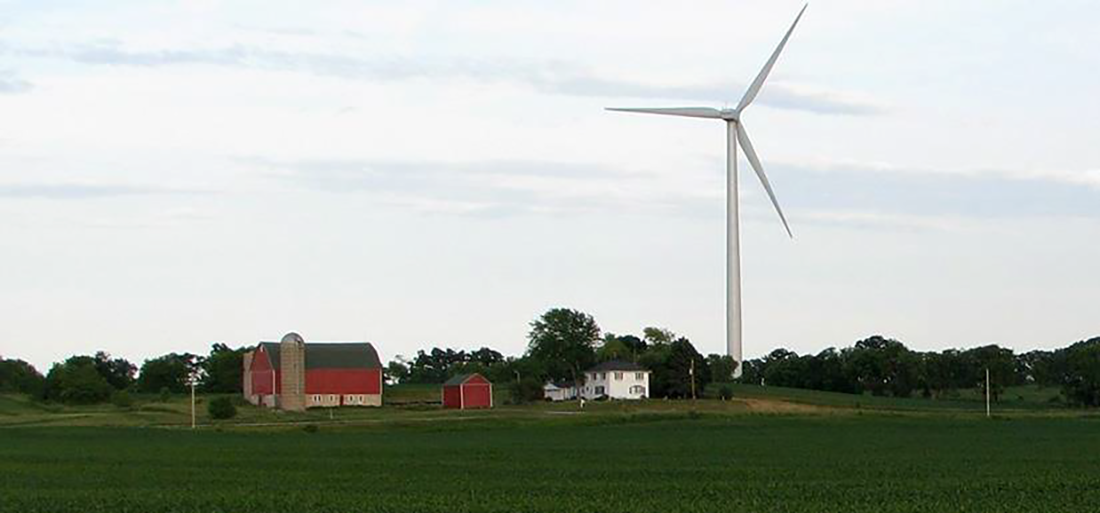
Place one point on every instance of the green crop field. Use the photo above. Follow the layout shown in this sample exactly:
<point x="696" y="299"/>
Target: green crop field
<point x="611" y="458"/>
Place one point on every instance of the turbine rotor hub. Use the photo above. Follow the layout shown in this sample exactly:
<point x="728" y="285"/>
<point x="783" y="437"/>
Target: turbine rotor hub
<point x="729" y="114"/>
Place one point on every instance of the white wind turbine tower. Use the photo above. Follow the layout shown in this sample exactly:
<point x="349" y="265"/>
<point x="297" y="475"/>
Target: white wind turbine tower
<point x="735" y="135"/>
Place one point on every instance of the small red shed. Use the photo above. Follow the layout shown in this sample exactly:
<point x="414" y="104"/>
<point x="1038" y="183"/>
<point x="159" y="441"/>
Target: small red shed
<point x="468" y="391"/>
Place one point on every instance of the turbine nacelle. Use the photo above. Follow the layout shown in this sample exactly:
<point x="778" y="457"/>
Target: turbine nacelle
<point x="730" y="114"/>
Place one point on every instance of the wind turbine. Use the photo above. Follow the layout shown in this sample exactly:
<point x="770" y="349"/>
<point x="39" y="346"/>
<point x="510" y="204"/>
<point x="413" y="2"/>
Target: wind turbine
<point x="735" y="135"/>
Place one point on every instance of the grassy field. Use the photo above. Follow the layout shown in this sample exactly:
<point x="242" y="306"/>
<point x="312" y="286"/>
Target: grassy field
<point x="642" y="463"/>
<point x="770" y="450"/>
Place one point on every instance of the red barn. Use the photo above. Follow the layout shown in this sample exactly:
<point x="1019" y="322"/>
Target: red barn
<point x="294" y="375"/>
<point x="468" y="391"/>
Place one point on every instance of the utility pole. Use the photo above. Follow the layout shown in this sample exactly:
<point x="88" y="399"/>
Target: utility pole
<point x="692" y="372"/>
<point x="988" y="413"/>
<point x="192" y="402"/>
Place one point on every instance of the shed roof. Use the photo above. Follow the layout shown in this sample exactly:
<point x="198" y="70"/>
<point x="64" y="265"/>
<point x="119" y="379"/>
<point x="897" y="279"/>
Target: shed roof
<point x="460" y="379"/>
<point x="331" y="355"/>
<point x="617" y="365"/>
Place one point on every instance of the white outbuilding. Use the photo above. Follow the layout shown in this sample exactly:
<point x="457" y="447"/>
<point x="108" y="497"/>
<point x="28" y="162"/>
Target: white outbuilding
<point x="559" y="391"/>
<point x="616" y="379"/>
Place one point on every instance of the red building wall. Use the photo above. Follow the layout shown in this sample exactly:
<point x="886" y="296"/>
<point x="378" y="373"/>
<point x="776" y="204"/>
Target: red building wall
<point x="452" y="397"/>
<point x="475" y="392"/>
<point x="344" y="381"/>
<point x="477" y="395"/>
<point x="262" y="372"/>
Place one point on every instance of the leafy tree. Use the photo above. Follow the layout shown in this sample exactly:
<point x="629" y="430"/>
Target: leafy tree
<point x="526" y="390"/>
<point x="221" y="408"/>
<point x="684" y="364"/>
<point x="20" y="376"/>
<point x="656" y="359"/>
<point x="882" y="366"/>
<point x="1081" y="384"/>
<point x="171" y="371"/>
<point x="76" y="381"/>
<point x="635" y="345"/>
<point x="223" y="371"/>
<point x="563" y="340"/>
<point x="613" y="349"/>
<point x="1002" y="369"/>
<point x="118" y="372"/>
<point x="722" y="367"/>
<point x="657" y="336"/>
<point x="397" y="370"/>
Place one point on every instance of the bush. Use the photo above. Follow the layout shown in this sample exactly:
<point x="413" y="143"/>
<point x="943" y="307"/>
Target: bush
<point x="165" y="394"/>
<point x="525" y="391"/>
<point x="310" y="428"/>
<point x="221" y="408"/>
<point x="122" y="399"/>
<point x="76" y="382"/>
<point x="725" y="392"/>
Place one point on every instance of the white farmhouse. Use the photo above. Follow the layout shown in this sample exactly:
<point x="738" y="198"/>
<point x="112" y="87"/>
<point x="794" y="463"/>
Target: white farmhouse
<point x="616" y="380"/>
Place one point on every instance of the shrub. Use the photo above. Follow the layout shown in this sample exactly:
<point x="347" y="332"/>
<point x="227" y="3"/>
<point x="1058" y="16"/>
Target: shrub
<point x="725" y="392"/>
<point x="525" y="391"/>
<point x="165" y="394"/>
<point x="221" y="408"/>
<point x="310" y="428"/>
<point x="122" y="399"/>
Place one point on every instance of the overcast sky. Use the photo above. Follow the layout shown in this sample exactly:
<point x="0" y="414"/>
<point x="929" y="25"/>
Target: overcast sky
<point x="425" y="173"/>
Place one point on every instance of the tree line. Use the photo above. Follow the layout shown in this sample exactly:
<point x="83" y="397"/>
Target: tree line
<point x="562" y="343"/>
<point x="85" y="379"/>
<point x="883" y="366"/>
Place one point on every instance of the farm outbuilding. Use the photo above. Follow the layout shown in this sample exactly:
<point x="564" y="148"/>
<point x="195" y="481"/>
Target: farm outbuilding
<point x="468" y="391"/>
<point x="295" y="375"/>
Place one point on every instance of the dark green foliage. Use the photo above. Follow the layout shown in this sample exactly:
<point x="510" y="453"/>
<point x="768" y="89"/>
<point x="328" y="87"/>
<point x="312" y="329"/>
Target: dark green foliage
<point x="221" y="408"/>
<point x="613" y="349"/>
<point x="164" y="395"/>
<point x="761" y="464"/>
<point x="122" y="399"/>
<point x="222" y="370"/>
<point x="563" y="341"/>
<point x="725" y="392"/>
<point x="684" y="366"/>
<point x="397" y="371"/>
<point x="437" y="365"/>
<point x="526" y="390"/>
<point x="118" y="372"/>
<point x="721" y="367"/>
<point x="885" y="367"/>
<point x="20" y="376"/>
<point x="1081" y="383"/>
<point x="76" y="381"/>
<point x="170" y="371"/>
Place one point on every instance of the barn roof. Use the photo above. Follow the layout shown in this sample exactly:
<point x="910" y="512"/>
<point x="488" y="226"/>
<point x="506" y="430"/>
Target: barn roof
<point x="460" y="379"/>
<point x="617" y="365"/>
<point x="331" y="355"/>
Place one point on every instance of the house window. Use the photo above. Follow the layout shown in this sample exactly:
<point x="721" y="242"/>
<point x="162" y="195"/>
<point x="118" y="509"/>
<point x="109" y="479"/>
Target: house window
<point x="618" y="376"/>
<point x="599" y="391"/>
<point x="637" y="389"/>
<point x="639" y="376"/>
<point x="603" y="375"/>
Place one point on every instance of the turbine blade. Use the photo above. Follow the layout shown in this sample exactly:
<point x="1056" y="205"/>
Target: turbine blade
<point x="750" y="153"/>
<point x="691" y="112"/>
<point x="754" y="89"/>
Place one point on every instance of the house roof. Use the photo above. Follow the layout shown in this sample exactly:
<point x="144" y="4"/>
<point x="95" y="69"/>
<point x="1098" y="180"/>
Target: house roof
<point x="331" y="355"/>
<point x="460" y="379"/>
<point x="617" y="365"/>
<point x="551" y="385"/>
